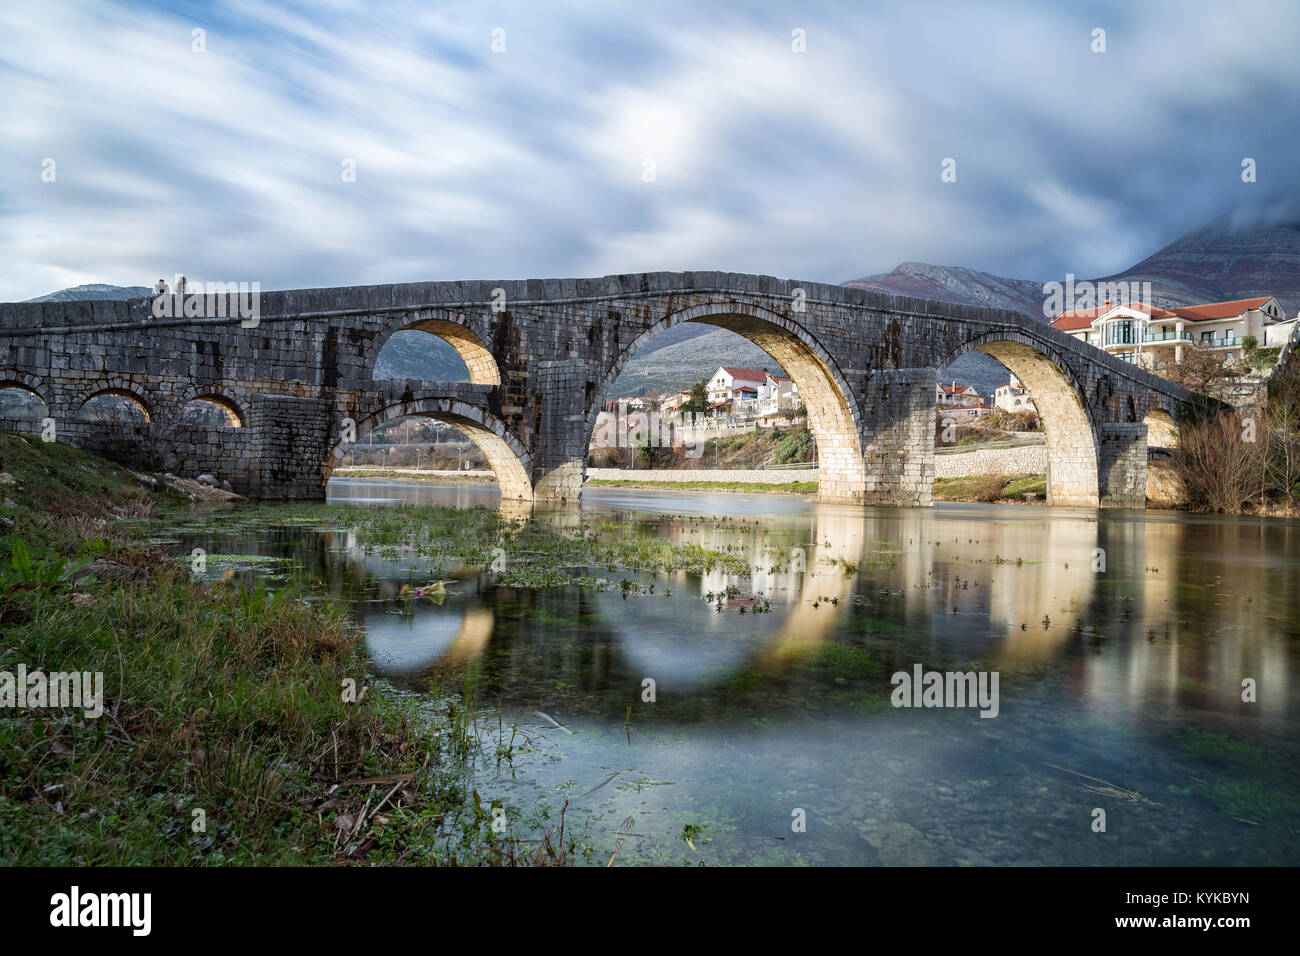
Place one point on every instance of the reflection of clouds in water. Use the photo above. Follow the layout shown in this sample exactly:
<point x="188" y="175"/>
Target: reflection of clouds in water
<point x="683" y="643"/>
<point x="403" y="645"/>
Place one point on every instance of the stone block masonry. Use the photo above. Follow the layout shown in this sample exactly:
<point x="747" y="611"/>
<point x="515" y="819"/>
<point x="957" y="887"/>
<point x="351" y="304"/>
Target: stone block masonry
<point x="1017" y="460"/>
<point x="542" y="355"/>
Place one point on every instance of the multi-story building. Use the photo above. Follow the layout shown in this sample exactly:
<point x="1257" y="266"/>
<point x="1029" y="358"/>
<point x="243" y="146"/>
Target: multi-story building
<point x="730" y="383"/>
<point x="957" y="395"/>
<point x="778" y="398"/>
<point x="671" y="402"/>
<point x="1154" y="337"/>
<point x="1011" y="397"/>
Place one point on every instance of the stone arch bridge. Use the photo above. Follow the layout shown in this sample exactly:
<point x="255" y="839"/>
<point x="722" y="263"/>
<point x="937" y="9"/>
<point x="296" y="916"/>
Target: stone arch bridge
<point x="541" y="355"/>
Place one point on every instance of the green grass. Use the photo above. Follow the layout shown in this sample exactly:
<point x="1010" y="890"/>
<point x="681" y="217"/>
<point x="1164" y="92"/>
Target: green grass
<point x="977" y="487"/>
<point x="1253" y="801"/>
<point x="1263" y="358"/>
<point x="844" y="661"/>
<point x="1214" y="746"/>
<point x="218" y="698"/>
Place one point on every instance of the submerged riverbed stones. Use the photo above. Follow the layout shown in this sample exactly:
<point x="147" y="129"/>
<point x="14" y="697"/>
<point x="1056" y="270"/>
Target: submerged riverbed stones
<point x="899" y="844"/>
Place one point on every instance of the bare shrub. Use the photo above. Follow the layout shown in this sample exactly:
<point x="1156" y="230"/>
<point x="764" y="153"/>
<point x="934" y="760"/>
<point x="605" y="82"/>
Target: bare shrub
<point x="1203" y="372"/>
<point x="1222" y="461"/>
<point x="989" y="488"/>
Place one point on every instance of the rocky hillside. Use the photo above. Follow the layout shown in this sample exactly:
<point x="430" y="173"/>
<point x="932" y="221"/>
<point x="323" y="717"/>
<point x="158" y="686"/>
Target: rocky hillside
<point x="1218" y="262"/>
<point x="95" y="290"/>
<point x="1221" y="262"/>
<point x="957" y="284"/>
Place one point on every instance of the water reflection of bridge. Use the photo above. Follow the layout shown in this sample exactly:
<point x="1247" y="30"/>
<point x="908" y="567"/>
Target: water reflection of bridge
<point x="1026" y="585"/>
<point x="809" y="571"/>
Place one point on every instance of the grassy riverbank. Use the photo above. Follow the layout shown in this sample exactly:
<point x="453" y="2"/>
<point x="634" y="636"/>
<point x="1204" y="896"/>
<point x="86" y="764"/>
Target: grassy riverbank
<point x="1009" y="489"/>
<point x="225" y="736"/>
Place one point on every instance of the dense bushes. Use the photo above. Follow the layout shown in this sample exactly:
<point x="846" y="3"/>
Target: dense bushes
<point x="797" y="446"/>
<point x="1235" y="461"/>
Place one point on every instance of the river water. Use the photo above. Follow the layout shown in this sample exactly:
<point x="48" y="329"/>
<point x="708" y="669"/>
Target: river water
<point x="1123" y="644"/>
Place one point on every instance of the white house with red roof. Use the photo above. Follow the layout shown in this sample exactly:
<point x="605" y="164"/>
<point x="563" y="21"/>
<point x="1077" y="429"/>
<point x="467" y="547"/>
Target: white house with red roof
<point x="1011" y="397"/>
<point x="778" y="398"/>
<point x="955" y="395"/>
<point x="1151" y="336"/>
<point x="960" y="402"/>
<point x="735" y="384"/>
<point x="752" y="393"/>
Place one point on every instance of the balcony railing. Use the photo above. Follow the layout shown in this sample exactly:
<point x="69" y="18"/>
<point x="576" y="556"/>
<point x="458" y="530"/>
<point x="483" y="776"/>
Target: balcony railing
<point x="1166" y="336"/>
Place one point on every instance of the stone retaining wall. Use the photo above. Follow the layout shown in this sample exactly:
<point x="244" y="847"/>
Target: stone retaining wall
<point x="1020" y="460"/>
<point x="766" y="476"/>
<point x="1023" y="460"/>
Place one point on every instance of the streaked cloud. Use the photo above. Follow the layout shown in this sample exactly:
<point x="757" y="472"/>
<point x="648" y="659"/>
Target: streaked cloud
<point x="824" y="165"/>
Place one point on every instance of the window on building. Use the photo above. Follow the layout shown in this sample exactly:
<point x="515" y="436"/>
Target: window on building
<point x="1207" y="338"/>
<point x="1120" y="333"/>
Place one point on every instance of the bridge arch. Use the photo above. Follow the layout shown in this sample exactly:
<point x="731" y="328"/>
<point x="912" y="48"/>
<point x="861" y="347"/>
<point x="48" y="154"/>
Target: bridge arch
<point x="115" y="391"/>
<point x="1162" y="428"/>
<point x="23" y="382"/>
<point x="505" y="454"/>
<point x="834" y="416"/>
<point x="33" y="384"/>
<point x="468" y="343"/>
<point x="232" y="401"/>
<point x="1073" y="437"/>
<point x="234" y="410"/>
<point x="28" y="407"/>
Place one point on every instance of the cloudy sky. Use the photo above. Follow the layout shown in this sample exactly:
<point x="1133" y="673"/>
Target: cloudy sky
<point x="627" y="136"/>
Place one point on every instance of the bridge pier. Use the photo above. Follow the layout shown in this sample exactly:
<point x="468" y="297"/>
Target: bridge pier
<point x="899" y="459"/>
<point x="291" y="440"/>
<point x="560" y="461"/>
<point x="1122" y="465"/>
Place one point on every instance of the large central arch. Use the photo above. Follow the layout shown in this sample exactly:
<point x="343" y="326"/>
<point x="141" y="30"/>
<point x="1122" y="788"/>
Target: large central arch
<point x="506" y="456"/>
<point x="834" y="417"/>
<point x="1072" y="440"/>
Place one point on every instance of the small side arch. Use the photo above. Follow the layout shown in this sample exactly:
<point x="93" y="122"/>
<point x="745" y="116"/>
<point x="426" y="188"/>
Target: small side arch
<point x="33" y="384"/>
<point x="505" y="454"/>
<point x="234" y="412"/>
<point x="461" y="336"/>
<point x="115" y="391"/>
<point x="22" y="403"/>
<point x="1162" y="429"/>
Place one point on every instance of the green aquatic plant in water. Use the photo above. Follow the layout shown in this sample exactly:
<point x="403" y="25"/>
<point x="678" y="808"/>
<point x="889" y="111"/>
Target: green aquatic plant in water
<point x="1253" y="801"/>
